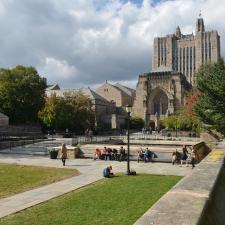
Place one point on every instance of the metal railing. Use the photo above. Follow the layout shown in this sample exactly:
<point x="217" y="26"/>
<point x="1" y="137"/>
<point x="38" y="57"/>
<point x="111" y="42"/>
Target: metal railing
<point x="123" y="138"/>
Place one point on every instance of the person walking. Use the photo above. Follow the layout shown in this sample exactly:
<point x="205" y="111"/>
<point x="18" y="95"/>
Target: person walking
<point x="64" y="154"/>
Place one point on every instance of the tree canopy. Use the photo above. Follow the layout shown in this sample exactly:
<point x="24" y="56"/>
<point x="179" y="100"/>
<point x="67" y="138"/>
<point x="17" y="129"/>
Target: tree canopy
<point x="186" y="118"/>
<point x="136" y="123"/>
<point x="22" y="94"/>
<point x="211" y="105"/>
<point x="73" y="111"/>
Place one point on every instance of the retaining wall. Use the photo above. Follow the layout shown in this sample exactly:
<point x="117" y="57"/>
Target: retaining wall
<point x="198" y="199"/>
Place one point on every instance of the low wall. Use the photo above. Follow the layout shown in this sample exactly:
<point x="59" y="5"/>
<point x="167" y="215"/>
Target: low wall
<point x="72" y="152"/>
<point x="197" y="199"/>
<point x="11" y="144"/>
<point x="214" y="210"/>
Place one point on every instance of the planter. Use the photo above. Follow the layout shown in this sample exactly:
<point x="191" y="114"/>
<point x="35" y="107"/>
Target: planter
<point x="53" y="154"/>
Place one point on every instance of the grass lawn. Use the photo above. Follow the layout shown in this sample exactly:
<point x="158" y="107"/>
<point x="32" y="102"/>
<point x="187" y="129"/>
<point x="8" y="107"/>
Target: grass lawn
<point x="15" y="178"/>
<point x="116" y="201"/>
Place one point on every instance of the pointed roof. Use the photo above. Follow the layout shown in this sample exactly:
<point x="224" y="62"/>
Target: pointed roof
<point x="53" y="87"/>
<point x="92" y="94"/>
<point x="127" y="90"/>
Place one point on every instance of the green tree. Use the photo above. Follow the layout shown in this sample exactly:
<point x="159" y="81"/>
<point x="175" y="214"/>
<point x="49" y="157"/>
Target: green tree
<point x="211" y="105"/>
<point x="136" y="122"/>
<point x="73" y="111"/>
<point x="22" y="94"/>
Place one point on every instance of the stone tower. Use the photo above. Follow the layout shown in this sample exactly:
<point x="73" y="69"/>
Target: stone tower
<point x="175" y="62"/>
<point x="186" y="53"/>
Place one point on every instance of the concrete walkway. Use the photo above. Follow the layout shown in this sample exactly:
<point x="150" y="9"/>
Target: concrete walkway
<point x="91" y="171"/>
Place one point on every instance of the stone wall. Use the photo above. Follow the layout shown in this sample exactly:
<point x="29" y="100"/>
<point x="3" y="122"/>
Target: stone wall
<point x="197" y="199"/>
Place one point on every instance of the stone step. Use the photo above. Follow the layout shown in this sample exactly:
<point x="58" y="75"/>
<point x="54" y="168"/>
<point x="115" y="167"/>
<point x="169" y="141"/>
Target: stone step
<point x="25" y="153"/>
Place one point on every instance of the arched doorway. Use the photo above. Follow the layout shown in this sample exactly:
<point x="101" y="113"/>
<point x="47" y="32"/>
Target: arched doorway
<point x="152" y="124"/>
<point x="158" y="102"/>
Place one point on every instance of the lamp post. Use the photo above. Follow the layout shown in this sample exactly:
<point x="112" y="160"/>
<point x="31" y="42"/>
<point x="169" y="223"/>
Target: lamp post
<point x="176" y="124"/>
<point x="128" y="109"/>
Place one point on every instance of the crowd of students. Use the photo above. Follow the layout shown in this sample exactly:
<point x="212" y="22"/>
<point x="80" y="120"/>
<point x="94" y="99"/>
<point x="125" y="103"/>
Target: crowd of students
<point x="146" y="155"/>
<point x="110" y="154"/>
<point x="184" y="157"/>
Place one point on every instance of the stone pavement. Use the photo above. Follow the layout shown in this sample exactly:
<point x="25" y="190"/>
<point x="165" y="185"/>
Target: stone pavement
<point x="91" y="171"/>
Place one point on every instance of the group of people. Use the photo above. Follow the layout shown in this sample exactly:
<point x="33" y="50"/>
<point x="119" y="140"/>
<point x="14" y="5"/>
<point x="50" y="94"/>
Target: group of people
<point x="110" y="154"/>
<point x="145" y="155"/>
<point x="181" y="158"/>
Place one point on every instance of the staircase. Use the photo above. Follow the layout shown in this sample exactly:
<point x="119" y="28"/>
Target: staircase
<point x="36" y="149"/>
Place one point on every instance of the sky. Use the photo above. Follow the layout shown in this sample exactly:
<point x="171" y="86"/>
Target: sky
<point x="81" y="43"/>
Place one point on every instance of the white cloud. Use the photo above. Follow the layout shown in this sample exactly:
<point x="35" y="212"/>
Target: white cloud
<point x="80" y="43"/>
<point x="58" y="69"/>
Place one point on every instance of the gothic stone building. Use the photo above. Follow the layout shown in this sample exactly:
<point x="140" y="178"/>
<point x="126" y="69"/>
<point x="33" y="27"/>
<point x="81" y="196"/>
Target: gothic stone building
<point x="176" y="59"/>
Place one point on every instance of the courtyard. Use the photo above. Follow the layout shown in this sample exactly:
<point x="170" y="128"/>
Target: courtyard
<point x="150" y="174"/>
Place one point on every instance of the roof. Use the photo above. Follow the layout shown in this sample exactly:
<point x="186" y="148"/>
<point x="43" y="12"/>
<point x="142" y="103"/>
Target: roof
<point x="92" y="94"/>
<point x="127" y="90"/>
<point x="86" y="91"/>
<point x="53" y="87"/>
<point x="3" y="116"/>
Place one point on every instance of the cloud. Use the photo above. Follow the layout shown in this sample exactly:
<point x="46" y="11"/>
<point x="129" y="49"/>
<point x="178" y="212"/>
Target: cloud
<point x="56" y="69"/>
<point x="80" y="43"/>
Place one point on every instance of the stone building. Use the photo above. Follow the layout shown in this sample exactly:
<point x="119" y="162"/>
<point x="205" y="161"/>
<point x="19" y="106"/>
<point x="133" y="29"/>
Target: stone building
<point x="186" y="53"/>
<point x="107" y="113"/>
<point x="175" y="61"/>
<point x="121" y="95"/>
<point x="100" y="105"/>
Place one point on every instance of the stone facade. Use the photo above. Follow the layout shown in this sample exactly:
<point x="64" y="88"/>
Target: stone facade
<point x="186" y="53"/>
<point x="121" y="95"/>
<point x="175" y="61"/>
<point x="159" y="94"/>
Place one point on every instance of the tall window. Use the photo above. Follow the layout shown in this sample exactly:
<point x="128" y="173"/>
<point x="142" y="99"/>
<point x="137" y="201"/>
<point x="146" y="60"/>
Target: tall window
<point x="194" y="59"/>
<point x="209" y="48"/>
<point x="190" y="61"/>
<point x="187" y="60"/>
<point x="183" y="60"/>
<point x="180" y="59"/>
<point x="158" y="52"/>
<point x="206" y="49"/>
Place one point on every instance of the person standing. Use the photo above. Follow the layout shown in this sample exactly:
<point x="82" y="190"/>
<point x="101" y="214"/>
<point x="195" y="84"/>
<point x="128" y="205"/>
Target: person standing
<point x="64" y="154"/>
<point x="192" y="157"/>
<point x="184" y="156"/>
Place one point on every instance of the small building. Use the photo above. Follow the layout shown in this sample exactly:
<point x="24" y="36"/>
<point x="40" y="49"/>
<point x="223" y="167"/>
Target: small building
<point x="4" y="120"/>
<point x="100" y="105"/>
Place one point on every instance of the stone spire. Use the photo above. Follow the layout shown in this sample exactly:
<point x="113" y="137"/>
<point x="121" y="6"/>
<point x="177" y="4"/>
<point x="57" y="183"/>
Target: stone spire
<point x="178" y="32"/>
<point x="200" y="24"/>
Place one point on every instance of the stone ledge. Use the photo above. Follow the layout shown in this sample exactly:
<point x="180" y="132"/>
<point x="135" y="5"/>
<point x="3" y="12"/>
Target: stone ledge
<point x="184" y="204"/>
<point x="72" y="152"/>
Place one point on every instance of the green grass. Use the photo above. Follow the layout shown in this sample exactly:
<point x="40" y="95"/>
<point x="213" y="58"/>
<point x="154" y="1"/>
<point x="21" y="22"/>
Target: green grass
<point x="116" y="201"/>
<point x="15" y="178"/>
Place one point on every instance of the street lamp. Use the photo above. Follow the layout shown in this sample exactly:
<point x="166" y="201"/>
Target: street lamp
<point x="176" y="124"/>
<point x="128" y="109"/>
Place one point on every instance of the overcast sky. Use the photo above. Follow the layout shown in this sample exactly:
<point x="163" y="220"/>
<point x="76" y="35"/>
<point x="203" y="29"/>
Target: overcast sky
<point x="80" y="43"/>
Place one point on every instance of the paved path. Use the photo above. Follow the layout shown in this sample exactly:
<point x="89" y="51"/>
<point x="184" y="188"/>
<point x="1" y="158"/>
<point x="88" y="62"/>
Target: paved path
<point x="91" y="171"/>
